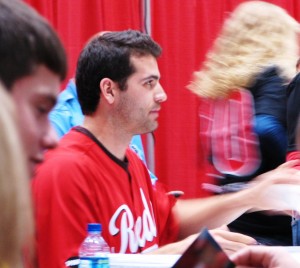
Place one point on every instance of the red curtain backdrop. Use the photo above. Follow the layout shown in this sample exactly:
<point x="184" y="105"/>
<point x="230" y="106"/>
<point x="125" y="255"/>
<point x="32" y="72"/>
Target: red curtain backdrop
<point x="185" y="30"/>
<point x="76" y="21"/>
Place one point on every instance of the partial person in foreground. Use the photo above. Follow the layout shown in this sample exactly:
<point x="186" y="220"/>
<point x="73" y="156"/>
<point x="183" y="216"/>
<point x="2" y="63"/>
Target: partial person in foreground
<point x="33" y="63"/>
<point x="92" y="176"/>
<point x="16" y="221"/>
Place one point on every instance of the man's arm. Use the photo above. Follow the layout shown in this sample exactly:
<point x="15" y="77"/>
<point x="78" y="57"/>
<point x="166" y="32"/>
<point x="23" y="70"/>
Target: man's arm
<point x="212" y="212"/>
<point x="215" y="211"/>
<point x="229" y="241"/>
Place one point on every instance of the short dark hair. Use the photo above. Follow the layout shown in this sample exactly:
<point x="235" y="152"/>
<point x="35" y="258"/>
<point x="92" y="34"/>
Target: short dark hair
<point x="26" y="41"/>
<point x="108" y="56"/>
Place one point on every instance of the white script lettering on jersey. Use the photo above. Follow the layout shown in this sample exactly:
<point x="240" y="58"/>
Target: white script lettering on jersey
<point x="133" y="234"/>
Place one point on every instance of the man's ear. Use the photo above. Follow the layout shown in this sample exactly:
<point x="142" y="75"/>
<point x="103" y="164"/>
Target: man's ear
<point x="107" y="87"/>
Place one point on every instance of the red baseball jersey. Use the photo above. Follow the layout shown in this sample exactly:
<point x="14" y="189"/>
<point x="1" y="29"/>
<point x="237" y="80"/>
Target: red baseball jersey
<point x="81" y="182"/>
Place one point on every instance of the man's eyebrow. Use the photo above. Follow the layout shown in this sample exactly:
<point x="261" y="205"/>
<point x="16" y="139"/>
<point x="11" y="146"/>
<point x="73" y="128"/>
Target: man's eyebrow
<point x="156" y="77"/>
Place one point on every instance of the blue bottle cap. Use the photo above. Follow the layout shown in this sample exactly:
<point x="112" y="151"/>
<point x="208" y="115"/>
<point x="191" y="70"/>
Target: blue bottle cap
<point x="94" y="227"/>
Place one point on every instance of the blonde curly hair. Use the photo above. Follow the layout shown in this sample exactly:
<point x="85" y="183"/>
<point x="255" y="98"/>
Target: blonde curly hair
<point x="256" y="35"/>
<point x="16" y="221"/>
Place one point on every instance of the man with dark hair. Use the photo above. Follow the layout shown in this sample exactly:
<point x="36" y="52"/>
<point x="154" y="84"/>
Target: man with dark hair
<point x="32" y="65"/>
<point x="93" y="176"/>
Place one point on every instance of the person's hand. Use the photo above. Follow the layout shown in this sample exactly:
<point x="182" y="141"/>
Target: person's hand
<point x="229" y="241"/>
<point x="269" y="189"/>
<point x="264" y="257"/>
<point x="285" y="173"/>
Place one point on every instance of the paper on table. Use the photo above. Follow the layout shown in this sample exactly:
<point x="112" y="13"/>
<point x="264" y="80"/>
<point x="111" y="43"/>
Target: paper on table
<point x="142" y="260"/>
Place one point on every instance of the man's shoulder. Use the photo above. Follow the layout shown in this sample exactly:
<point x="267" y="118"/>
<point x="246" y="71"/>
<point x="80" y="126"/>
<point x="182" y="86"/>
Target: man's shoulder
<point x="71" y="148"/>
<point x="66" y="163"/>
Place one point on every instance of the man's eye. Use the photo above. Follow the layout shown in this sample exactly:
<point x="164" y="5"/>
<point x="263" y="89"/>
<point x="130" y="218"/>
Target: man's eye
<point x="149" y="83"/>
<point x="42" y="110"/>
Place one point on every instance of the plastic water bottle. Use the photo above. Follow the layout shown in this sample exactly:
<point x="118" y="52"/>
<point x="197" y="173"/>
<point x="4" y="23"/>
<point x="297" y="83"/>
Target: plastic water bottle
<point x="93" y="252"/>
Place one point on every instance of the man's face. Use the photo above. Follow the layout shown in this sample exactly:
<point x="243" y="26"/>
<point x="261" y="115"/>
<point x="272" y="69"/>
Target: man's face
<point x="139" y="105"/>
<point x="34" y="96"/>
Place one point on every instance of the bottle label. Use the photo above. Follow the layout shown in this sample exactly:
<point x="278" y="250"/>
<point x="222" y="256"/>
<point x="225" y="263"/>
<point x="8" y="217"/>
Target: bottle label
<point x="92" y="262"/>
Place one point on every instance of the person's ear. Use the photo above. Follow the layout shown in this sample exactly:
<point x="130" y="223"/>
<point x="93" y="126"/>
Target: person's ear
<point x="107" y="87"/>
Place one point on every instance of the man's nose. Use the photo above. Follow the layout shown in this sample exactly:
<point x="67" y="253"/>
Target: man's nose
<point x="50" y="139"/>
<point x="161" y="95"/>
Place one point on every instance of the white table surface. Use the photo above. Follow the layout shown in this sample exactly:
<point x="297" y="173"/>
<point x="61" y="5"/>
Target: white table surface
<point x="163" y="261"/>
<point x="142" y="260"/>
